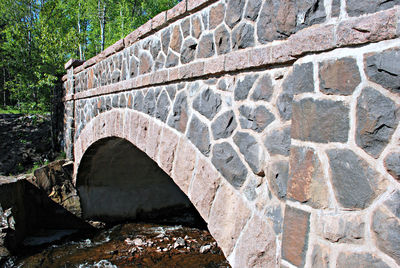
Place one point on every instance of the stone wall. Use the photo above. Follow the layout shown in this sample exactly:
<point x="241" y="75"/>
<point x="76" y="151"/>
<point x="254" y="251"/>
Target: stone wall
<point x="294" y="104"/>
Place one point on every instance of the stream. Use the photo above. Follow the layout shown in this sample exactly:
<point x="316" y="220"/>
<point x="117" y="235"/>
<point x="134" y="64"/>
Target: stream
<point x="123" y="245"/>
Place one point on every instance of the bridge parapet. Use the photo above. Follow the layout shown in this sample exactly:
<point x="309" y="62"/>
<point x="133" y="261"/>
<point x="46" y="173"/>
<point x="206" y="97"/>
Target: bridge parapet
<point x="297" y="110"/>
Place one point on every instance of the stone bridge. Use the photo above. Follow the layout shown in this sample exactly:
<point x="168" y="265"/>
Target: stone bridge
<point x="278" y="120"/>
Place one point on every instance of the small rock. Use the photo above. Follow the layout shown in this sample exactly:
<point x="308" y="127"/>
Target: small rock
<point x="180" y="242"/>
<point x="205" y="249"/>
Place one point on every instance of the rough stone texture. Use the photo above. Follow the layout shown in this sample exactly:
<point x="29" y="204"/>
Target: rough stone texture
<point x="222" y="40"/>
<point x="257" y="246"/>
<point x="392" y="164"/>
<point x="199" y="135"/>
<point x="185" y="161"/>
<point x="353" y="259"/>
<point x="228" y="217"/>
<point x="242" y="36"/>
<point x="133" y="67"/>
<point x="256" y="119"/>
<point x="217" y="14"/>
<point x="320" y="256"/>
<point x="185" y="26"/>
<point x="279" y="19"/>
<point x="249" y="190"/>
<point x="339" y="77"/>
<point x="320" y="121"/>
<point x="393" y="203"/>
<point x="295" y="235"/>
<point x="206" y="46"/>
<point x="203" y="188"/>
<point x="251" y="150"/>
<point x="383" y="68"/>
<point x="234" y="12"/>
<point x="172" y="60"/>
<point x="196" y="27"/>
<point x="224" y="125"/>
<point x="228" y="163"/>
<point x="386" y="228"/>
<point x="138" y="101"/>
<point x="165" y="40"/>
<point x="252" y="9"/>
<point x="335" y="12"/>
<point x="356" y="8"/>
<point x="278" y="142"/>
<point x="155" y="48"/>
<point x="162" y="106"/>
<point x="208" y="103"/>
<point x="149" y="105"/>
<point x="243" y="87"/>
<point x="146" y="63"/>
<point x="306" y="178"/>
<point x="169" y="142"/>
<point x="176" y="39"/>
<point x="377" y="119"/>
<point x="179" y="117"/>
<point x="342" y="228"/>
<point x="354" y="181"/>
<point x="278" y="175"/>
<point x="300" y="80"/>
<point x="188" y="51"/>
<point x="264" y="89"/>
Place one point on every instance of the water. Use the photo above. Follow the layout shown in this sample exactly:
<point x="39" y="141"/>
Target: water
<point x="128" y="245"/>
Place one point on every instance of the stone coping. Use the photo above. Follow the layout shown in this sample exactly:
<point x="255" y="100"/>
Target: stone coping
<point x="383" y="25"/>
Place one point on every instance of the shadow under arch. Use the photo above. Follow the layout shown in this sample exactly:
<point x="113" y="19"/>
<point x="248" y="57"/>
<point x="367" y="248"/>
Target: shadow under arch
<point x="117" y="181"/>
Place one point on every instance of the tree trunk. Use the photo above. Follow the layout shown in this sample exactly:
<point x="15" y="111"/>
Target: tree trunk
<point x="102" y="18"/>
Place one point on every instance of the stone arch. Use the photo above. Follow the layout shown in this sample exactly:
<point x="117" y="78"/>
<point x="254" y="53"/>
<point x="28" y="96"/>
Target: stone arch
<point x="243" y="235"/>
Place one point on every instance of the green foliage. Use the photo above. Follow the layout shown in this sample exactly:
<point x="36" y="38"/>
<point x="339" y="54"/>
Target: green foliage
<point x="38" y="36"/>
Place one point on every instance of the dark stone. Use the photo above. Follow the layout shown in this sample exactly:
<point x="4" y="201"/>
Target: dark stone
<point x="116" y="76"/>
<point x="250" y="189"/>
<point x="171" y="91"/>
<point x="356" y="8"/>
<point x="115" y="101"/>
<point x="339" y="77"/>
<point x="276" y="216"/>
<point x="172" y="60"/>
<point x="252" y="9"/>
<point x="393" y="203"/>
<point x="320" y="121"/>
<point x="199" y="135"/>
<point x="146" y="63"/>
<point x="179" y="117"/>
<point x="185" y="26"/>
<point x="188" y="51"/>
<point x="354" y="181"/>
<point x="204" y="17"/>
<point x="159" y="64"/>
<point x="296" y="226"/>
<point x="278" y="142"/>
<point x="222" y="40"/>
<point x="256" y="119"/>
<point x="217" y="14"/>
<point x="196" y="27"/>
<point x="392" y="164"/>
<point x="133" y="67"/>
<point x="234" y="12"/>
<point x="149" y="106"/>
<point x="206" y="46"/>
<point x="377" y="119"/>
<point x="243" y="36"/>
<point x="176" y="39"/>
<point x="278" y="175"/>
<point x="383" y="68"/>
<point x="284" y="105"/>
<point x="138" y="101"/>
<point x="346" y="260"/>
<point x="335" y="8"/>
<point x="163" y="105"/>
<point x="300" y="80"/>
<point x="251" y="150"/>
<point x="279" y="19"/>
<point x="155" y="48"/>
<point x="207" y="103"/>
<point x="122" y="101"/>
<point x="224" y="125"/>
<point x="264" y="89"/>
<point x="165" y="40"/>
<point x="243" y="87"/>
<point x="228" y="163"/>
